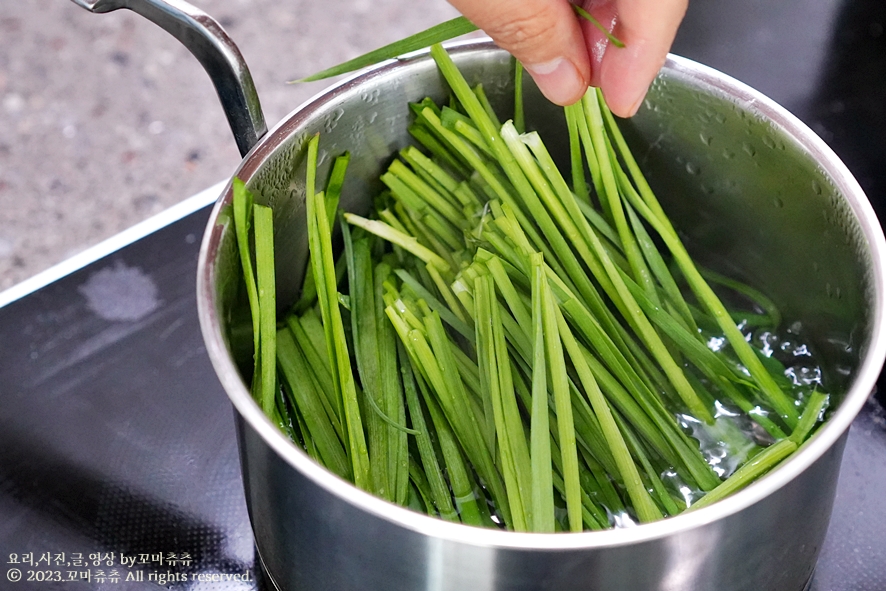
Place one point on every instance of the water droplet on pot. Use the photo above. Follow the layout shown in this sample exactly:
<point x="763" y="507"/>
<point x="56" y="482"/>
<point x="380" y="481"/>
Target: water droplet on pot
<point x="371" y="96"/>
<point x="331" y="120"/>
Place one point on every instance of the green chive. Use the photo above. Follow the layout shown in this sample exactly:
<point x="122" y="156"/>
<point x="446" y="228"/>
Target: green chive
<point x="436" y="34"/>
<point x="267" y="300"/>
<point x="542" y="485"/>
<point x="587" y="16"/>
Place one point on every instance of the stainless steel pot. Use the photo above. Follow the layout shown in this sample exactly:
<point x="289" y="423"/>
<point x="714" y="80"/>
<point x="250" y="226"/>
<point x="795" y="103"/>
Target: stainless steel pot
<point x="754" y="192"/>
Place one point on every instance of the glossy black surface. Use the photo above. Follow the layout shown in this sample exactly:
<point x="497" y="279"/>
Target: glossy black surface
<point x="116" y="437"/>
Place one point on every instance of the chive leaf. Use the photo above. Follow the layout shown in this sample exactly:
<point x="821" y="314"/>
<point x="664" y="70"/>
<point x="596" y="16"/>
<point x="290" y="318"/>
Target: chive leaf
<point x="437" y="34"/>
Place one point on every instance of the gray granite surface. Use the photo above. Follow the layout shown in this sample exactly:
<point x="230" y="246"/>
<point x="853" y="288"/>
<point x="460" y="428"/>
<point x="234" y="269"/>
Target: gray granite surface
<point x="106" y="120"/>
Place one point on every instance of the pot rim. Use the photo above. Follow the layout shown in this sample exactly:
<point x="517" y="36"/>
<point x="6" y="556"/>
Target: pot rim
<point x="744" y="97"/>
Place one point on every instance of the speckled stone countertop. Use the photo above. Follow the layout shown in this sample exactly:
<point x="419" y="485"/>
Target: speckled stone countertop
<point x="106" y="120"/>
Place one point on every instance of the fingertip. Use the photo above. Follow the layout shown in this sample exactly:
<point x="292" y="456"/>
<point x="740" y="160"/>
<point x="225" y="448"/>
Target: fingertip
<point x="635" y="106"/>
<point x="625" y="77"/>
<point x="625" y="104"/>
<point x="559" y="80"/>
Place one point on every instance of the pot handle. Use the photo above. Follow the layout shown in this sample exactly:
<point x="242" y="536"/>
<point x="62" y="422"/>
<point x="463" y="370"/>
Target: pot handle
<point x="215" y="51"/>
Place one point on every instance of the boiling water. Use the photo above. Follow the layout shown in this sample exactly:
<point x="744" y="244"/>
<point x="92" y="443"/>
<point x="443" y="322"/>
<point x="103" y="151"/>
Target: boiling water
<point x="735" y="436"/>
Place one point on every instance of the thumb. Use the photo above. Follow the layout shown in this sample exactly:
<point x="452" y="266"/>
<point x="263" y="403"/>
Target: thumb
<point x="544" y="35"/>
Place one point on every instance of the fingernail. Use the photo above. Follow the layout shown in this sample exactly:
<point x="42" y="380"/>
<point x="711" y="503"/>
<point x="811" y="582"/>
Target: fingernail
<point x="632" y="110"/>
<point x="558" y="80"/>
<point x="624" y="100"/>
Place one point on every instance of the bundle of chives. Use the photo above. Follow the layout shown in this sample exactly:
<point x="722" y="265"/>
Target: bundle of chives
<point x="513" y="351"/>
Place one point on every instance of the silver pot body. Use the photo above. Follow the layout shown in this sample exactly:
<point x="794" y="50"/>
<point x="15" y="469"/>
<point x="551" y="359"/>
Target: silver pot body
<point x="754" y="193"/>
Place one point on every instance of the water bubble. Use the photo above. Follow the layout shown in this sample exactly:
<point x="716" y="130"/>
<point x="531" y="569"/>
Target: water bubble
<point x="795" y="349"/>
<point x="722" y="450"/>
<point x="716" y="343"/>
<point x="767" y="341"/>
<point x="676" y="483"/>
<point x="804" y="375"/>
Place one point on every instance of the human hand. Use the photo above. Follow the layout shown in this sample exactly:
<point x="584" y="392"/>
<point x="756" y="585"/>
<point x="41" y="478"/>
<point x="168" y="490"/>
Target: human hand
<point x="565" y="53"/>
